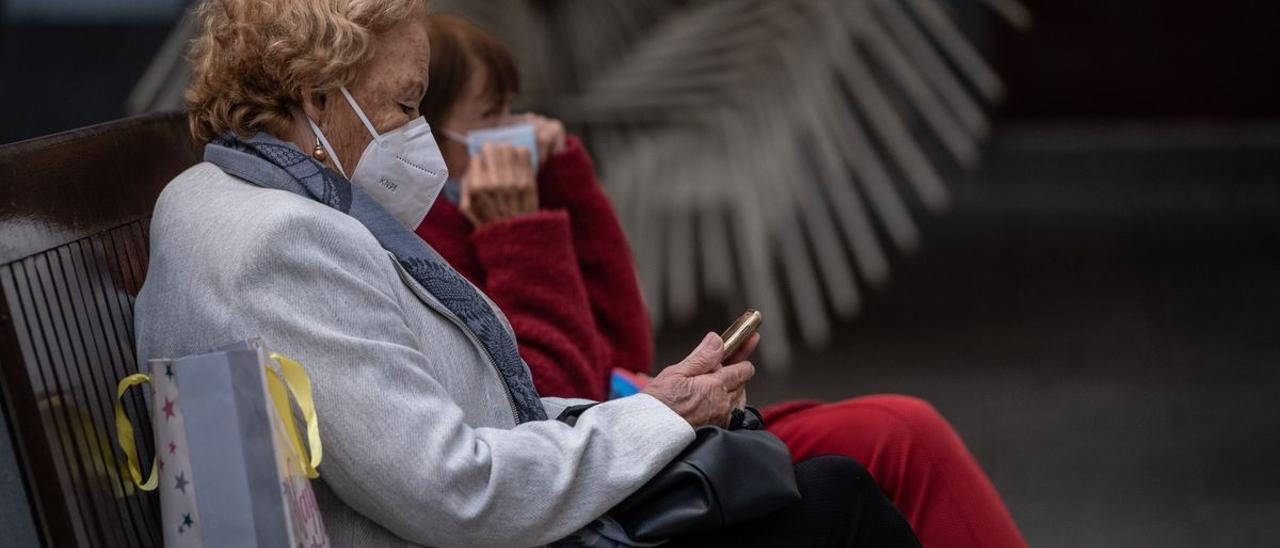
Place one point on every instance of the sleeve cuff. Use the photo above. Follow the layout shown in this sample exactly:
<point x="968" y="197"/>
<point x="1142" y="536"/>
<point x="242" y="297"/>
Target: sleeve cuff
<point x="566" y="172"/>
<point x="648" y="419"/>
<point x="538" y="230"/>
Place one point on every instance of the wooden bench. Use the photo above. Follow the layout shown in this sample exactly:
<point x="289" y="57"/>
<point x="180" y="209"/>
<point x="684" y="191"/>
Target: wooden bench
<point x="74" y="219"/>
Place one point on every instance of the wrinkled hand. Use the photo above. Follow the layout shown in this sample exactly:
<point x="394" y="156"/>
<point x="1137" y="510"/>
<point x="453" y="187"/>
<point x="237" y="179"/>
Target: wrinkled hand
<point x="702" y="390"/>
<point x="499" y="185"/>
<point x="550" y="134"/>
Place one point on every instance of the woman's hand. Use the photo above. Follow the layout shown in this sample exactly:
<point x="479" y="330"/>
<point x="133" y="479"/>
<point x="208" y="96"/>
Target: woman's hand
<point x="702" y="390"/>
<point x="550" y="134"/>
<point x="499" y="185"/>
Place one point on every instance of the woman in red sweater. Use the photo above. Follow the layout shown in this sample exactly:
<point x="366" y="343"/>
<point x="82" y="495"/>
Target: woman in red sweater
<point x="549" y="249"/>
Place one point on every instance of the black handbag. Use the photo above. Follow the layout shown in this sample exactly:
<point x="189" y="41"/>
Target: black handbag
<point x="725" y="477"/>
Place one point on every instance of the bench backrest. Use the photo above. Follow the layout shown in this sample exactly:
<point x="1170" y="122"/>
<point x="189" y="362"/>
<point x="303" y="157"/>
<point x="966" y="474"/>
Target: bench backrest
<point x="74" y="215"/>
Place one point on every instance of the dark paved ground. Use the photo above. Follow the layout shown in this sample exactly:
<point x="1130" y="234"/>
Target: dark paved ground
<point x="1099" y="316"/>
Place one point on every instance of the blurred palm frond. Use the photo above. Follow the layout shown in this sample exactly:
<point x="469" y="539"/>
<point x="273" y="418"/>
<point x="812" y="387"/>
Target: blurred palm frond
<point x="761" y="152"/>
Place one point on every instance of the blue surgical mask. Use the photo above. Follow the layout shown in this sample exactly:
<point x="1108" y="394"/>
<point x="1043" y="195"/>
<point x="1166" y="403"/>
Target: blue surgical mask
<point x="520" y="135"/>
<point x="452" y="190"/>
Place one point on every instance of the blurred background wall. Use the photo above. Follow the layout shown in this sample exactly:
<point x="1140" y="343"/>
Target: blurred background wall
<point x="68" y="63"/>
<point x="1143" y="58"/>
<point x="92" y="11"/>
<point x="1098" y="311"/>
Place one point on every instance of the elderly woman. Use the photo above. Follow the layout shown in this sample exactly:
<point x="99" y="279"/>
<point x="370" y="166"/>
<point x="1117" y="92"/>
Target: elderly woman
<point x="548" y="248"/>
<point x="296" y="228"/>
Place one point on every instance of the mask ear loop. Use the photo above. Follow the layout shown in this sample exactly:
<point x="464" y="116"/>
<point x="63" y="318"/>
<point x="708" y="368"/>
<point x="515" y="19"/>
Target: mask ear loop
<point x="457" y="137"/>
<point x="352" y="101"/>
<point x="328" y="148"/>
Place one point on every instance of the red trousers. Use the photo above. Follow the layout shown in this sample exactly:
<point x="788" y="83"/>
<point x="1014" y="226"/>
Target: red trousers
<point x="916" y="458"/>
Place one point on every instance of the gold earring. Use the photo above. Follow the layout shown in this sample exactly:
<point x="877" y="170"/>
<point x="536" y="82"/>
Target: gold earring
<point x="318" y="153"/>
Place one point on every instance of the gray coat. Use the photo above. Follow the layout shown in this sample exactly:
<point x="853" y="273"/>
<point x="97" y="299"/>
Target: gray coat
<point x="420" y="441"/>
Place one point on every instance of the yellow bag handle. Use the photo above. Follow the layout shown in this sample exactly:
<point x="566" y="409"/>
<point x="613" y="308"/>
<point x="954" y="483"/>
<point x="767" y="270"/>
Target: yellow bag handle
<point x="297" y="383"/>
<point x="124" y="434"/>
<point x="295" y="378"/>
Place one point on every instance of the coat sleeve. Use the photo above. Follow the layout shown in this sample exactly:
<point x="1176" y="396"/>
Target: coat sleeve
<point x="531" y="272"/>
<point x="604" y="258"/>
<point x="397" y="448"/>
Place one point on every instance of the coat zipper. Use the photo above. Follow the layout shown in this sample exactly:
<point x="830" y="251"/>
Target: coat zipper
<point x="443" y="310"/>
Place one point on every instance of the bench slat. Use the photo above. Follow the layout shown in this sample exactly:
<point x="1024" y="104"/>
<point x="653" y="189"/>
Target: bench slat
<point x="74" y="223"/>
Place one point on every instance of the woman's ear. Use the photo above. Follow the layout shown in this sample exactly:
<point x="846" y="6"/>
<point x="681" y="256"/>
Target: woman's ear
<point x="313" y="103"/>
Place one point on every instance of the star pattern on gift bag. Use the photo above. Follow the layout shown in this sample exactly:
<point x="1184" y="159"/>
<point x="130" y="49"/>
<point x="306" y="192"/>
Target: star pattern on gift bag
<point x="168" y="408"/>
<point x="178" y="487"/>
<point x="179" y="507"/>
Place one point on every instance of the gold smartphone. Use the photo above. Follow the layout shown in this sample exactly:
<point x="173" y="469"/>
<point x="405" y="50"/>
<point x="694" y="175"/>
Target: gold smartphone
<point x="740" y="330"/>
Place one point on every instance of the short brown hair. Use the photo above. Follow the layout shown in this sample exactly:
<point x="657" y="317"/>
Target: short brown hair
<point x="252" y="58"/>
<point x="457" y="47"/>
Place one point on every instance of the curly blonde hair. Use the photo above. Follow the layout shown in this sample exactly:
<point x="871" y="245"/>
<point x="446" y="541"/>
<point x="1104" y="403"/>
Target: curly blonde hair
<point x="252" y="58"/>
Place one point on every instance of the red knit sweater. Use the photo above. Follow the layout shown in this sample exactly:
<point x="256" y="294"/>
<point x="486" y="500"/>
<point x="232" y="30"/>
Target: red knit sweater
<point x="563" y="276"/>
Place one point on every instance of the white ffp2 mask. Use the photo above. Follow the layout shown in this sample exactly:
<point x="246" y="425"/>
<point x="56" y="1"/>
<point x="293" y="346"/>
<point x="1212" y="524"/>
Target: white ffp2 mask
<point x="402" y="169"/>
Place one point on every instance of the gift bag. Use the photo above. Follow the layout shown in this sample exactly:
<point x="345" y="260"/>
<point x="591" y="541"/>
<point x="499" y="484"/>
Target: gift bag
<point x="231" y="464"/>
